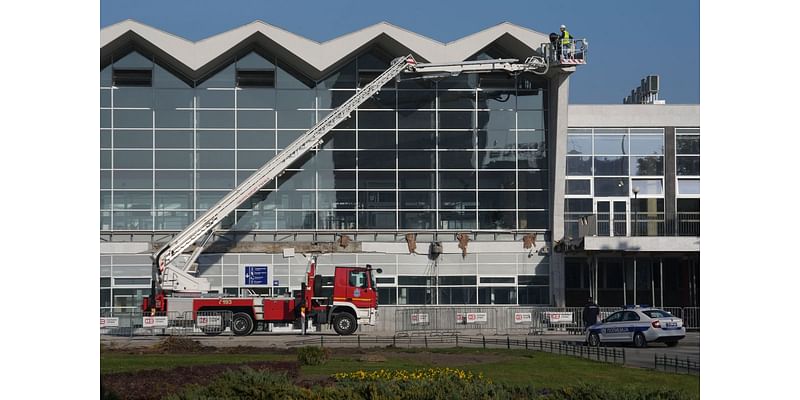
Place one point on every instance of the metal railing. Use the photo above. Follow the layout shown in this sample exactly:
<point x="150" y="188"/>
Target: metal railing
<point x="675" y="364"/>
<point x="641" y="224"/>
<point x="574" y="53"/>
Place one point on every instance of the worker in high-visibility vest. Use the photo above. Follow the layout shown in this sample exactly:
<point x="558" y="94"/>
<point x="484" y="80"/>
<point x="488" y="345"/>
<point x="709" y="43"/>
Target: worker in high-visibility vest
<point x="566" y="43"/>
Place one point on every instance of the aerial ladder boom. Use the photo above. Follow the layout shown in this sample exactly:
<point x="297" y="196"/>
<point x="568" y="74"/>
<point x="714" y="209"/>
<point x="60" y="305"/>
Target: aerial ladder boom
<point x="173" y="278"/>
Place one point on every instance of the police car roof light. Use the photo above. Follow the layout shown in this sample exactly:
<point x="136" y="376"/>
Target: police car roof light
<point x="632" y="306"/>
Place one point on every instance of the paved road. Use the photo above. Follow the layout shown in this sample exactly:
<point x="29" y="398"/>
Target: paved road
<point x="688" y="348"/>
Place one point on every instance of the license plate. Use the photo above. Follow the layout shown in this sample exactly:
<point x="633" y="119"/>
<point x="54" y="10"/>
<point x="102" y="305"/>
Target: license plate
<point x="672" y="324"/>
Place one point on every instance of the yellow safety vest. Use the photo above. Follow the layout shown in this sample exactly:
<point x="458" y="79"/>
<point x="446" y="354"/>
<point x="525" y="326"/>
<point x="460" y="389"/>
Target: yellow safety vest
<point x="566" y="38"/>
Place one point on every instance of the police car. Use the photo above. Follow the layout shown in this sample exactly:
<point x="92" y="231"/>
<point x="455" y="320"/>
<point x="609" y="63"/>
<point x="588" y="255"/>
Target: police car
<point x="638" y="325"/>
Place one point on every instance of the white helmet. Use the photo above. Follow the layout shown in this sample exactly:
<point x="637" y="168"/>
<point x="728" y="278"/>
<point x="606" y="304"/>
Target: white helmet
<point x="563" y="26"/>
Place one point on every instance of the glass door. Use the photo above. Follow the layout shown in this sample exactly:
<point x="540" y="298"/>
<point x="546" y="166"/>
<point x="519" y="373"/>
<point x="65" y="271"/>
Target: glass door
<point x="612" y="217"/>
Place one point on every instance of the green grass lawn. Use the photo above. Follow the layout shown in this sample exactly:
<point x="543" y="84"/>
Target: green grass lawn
<point x="543" y="370"/>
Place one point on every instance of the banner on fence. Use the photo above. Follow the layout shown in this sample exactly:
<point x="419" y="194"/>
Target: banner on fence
<point x="209" y="320"/>
<point x="471" y="318"/>
<point x="109" y="322"/>
<point x="558" y="317"/>
<point x="522" y="317"/>
<point x="419" y="319"/>
<point x="155" y="322"/>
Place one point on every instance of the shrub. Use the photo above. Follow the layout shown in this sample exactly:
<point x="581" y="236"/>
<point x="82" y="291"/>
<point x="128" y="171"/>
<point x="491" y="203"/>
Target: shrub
<point x="245" y="384"/>
<point x="312" y="355"/>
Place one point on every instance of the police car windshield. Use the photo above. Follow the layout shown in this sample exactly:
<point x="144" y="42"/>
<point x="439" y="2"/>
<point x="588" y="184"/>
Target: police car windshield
<point x="657" y="314"/>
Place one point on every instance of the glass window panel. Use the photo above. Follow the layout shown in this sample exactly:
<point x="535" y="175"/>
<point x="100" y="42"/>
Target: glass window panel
<point x="133" y="179"/>
<point x="417" y="220"/>
<point x="133" y="200"/>
<point x="496" y="79"/>
<point x="497" y="99"/>
<point x="383" y="100"/>
<point x="458" y="200"/>
<point x="174" y="179"/>
<point x="173" y="220"/>
<point x="376" y="140"/>
<point x="140" y="97"/>
<point x="216" y="180"/>
<point x="255" y="98"/>
<point x="688" y="205"/>
<point x="297" y="180"/>
<point x="105" y="158"/>
<point x="534" y="295"/>
<point x="456" y="140"/>
<point x="253" y="159"/>
<point x="463" y="81"/>
<point x="296" y="219"/>
<point x="105" y="199"/>
<point x="611" y="144"/>
<point x="457" y="159"/>
<point x="133" y="220"/>
<point x="216" y="139"/>
<point x="340" y="140"/>
<point x="296" y="119"/>
<point x="457" y="180"/>
<point x="289" y="80"/>
<point x="496" y="179"/>
<point x="415" y="280"/>
<point x="329" y="160"/>
<point x="215" y="98"/>
<point x="457" y="220"/>
<point x="174" y="200"/>
<point x="254" y="60"/>
<point x="215" y="119"/>
<point x="533" y="220"/>
<point x="294" y="199"/>
<point x="650" y="165"/>
<point x="416" y="140"/>
<point x="417" y="180"/>
<point x="256" y="119"/>
<point x="339" y="199"/>
<point x="377" y="219"/>
<point x="207" y="199"/>
<point x="164" y="79"/>
<point x="215" y="159"/>
<point x="579" y="144"/>
<point x="527" y="100"/>
<point x="579" y="166"/>
<point x="501" y="159"/>
<point x="105" y="179"/>
<point x="133" y="119"/>
<point x="329" y="99"/>
<point x="376" y="199"/>
<point x="416" y="99"/>
<point x="687" y="165"/>
<point x="105" y="118"/>
<point x="105" y="76"/>
<point x="578" y="186"/>
<point x="296" y="99"/>
<point x="497" y="200"/>
<point x="133" y="139"/>
<point x="416" y="119"/>
<point x="533" y="180"/>
<point x="174" y="159"/>
<point x="416" y="159"/>
<point x="537" y="199"/>
<point x="459" y="280"/>
<point x="376" y="120"/>
<point x="170" y="99"/>
<point x="256" y="139"/>
<point x="610" y="166"/>
<point x="647" y="144"/>
<point x="376" y="180"/>
<point x="687" y="144"/>
<point x="105" y="297"/>
<point x="223" y="78"/>
<point x="496" y="120"/>
<point x="532" y="159"/>
<point x="456" y="119"/>
<point x="174" y="119"/>
<point x="611" y="187"/>
<point x="498" y="279"/>
<point x="456" y="100"/>
<point x="530" y="119"/>
<point x="343" y="78"/>
<point x="417" y="200"/>
<point x="497" y="295"/>
<point x="688" y="186"/>
<point x="387" y="295"/>
<point x="648" y="186"/>
<point x="174" y="139"/>
<point x="254" y="220"/>
<point x="337" y="220"/>
<point x="578" y="205"/>
<point x="506" y="139"/>
<point x="531" y="140"/>
<point x="376" y="159"/>
<point x="133" y="60"/>
<point x="133" y="159"/>
<point x="331" y="179"/>
<point x="497" y="219"/>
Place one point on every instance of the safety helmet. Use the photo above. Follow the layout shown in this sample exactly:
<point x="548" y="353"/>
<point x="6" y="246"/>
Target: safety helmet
<point x="563" y="27"/>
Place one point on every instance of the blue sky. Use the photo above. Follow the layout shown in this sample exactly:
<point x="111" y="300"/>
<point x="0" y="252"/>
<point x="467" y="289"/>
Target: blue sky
<point x="628" y="39"/>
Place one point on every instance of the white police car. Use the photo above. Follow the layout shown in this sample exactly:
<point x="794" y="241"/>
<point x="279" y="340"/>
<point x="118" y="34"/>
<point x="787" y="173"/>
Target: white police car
<point x="637" y="325"/>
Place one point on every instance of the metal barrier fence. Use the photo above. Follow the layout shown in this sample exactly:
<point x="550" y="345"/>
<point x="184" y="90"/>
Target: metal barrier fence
<point x="169" y="323"/>
<point x="674" y="364"/>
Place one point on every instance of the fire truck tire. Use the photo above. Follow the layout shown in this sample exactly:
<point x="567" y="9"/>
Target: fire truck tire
<point x="241" y="324"/>
<point x="344" y="323"/>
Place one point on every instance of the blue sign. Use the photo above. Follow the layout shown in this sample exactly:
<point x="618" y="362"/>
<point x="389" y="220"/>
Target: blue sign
<point x="255" y="275"/>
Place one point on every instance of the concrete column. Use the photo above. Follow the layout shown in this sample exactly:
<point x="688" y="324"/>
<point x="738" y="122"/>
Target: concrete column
<point x="557" y="144"/>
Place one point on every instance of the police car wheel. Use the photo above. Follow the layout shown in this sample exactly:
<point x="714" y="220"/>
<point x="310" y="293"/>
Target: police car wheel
<point x="639" y="340"/>
<point x="594" y="340"/>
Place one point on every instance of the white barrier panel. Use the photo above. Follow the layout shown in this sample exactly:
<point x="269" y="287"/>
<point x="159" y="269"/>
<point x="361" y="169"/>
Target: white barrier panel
<point x="109" y="322"/>
<point x="522" y="317"/>
<point x="155" y="322"/>
<point x="419" y="319"/>
<point x="471" y="318"/>
<point x="557" y="317"/>
<point x="209" y="320"/>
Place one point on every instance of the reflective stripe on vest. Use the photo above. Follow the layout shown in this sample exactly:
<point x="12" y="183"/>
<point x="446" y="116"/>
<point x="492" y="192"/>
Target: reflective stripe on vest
<point x="566" y="38"/>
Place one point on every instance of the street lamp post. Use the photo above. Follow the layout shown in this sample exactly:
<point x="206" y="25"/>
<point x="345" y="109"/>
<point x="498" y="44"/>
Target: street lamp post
<point x="635" y="210"/>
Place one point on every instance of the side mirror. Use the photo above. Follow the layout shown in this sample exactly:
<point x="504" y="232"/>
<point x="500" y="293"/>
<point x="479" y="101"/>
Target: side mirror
<point x="379" y="270"/>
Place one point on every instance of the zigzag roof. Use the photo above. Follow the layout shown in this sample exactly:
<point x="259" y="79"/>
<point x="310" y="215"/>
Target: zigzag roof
<point x="310" y="57"/>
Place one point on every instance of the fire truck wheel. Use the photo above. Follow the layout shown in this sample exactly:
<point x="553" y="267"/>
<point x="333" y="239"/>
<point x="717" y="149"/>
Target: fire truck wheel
<point x="344" y="323"/>
<point x="241" y="324"/>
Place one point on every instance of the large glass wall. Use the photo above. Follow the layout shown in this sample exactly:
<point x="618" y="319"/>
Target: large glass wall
<point x="465" y="152"/>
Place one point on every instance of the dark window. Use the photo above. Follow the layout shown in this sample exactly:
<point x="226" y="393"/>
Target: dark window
<point x="255" y="78"/>
<point x="457" y="280"/>
<point x="133" y="77"/>
<point x="492" y="279"/>
<point x="389" y="281"/>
